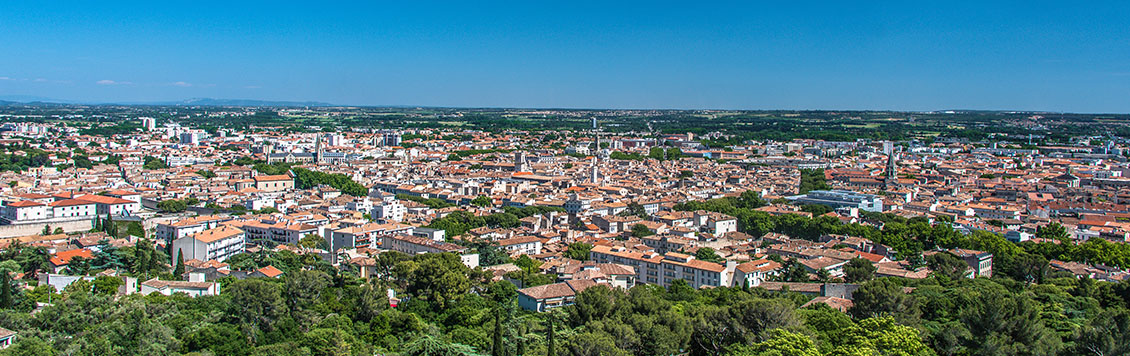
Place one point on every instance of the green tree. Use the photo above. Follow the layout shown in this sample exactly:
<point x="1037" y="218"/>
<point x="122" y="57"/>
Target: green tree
<point x="709" y="255"/>
<point x="256" y="303"/>
<point x="178" y="271"/>
<point x="883" y="297"/>
<point x="578" y="251"/>
<point x="641" y="230"/>
<point x="946" y="264"/>
<point x="859" y="270"/>
<point x="6" y="301"/>
<point x="482" y="201"/>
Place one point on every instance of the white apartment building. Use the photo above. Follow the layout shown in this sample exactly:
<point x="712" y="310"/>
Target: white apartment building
<point x="214" y="244"/>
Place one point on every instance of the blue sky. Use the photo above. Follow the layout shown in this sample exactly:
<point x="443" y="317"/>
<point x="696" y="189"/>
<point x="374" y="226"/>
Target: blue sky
<point x="907" y="55"/>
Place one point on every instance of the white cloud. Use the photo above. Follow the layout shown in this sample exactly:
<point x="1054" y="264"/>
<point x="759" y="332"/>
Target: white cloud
<point x="6" y="78"/>
<point x="181" y="84"/>
<point x="111" y="82"/>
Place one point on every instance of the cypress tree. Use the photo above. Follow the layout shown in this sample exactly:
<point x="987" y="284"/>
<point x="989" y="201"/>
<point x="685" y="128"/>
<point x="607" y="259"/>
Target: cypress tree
<point x="496" y="349"/>
<point x="550" y="341"/>
<point x="5" y="290"/>
<point x="179" y="269"/>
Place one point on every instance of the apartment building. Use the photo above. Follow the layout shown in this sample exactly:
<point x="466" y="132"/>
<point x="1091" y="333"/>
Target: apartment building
<point x="213" y="244"/>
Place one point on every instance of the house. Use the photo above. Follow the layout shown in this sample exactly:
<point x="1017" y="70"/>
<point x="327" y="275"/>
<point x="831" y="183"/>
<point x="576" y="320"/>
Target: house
<point x="7" y="338"/>
<point x="752" y="273"/>
<point x="274" y="183"/>
<point x="619" y="276"/>
<point x="413" y="245"/>
<point x="544" y="297"/>
<point x="24" y="210"/>
<point x="213" y="244"/>
<point x="61" y="260"/>
<point x="523" y="245"/>
<point x="194" y="287"/>
<point x="110" y="205"/>
<point x="981" y="262"/>
<point x="189" y="226"/>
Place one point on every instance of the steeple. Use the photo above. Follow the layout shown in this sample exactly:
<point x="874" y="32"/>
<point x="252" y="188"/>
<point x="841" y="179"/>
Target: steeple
<point x="892" y="166"/>
<point x="319" y="151"/>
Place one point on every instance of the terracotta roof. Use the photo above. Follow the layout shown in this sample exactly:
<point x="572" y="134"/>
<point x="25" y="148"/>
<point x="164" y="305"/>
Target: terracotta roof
<point x="70" y="202"/>
<point x="25" y="204"/>
<point x="217" y="234"/>
<point x="270" y="271"/>
<point x="104" y="199"/>
<point x="63" y="258"/>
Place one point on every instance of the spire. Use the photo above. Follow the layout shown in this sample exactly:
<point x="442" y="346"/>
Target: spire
<point x="318" y="150"/>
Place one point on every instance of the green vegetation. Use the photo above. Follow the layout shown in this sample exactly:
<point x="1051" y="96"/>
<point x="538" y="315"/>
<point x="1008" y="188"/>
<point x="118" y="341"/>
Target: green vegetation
<point x="154" y="163"/>
<point x="812" y="179"/>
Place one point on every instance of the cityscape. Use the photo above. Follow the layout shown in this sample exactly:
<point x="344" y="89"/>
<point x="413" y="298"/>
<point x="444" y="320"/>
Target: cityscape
<point x="500" y="208"/>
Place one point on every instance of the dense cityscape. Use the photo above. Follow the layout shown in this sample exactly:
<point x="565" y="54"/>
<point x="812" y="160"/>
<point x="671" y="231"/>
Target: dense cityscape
<point x="335" y="230"/>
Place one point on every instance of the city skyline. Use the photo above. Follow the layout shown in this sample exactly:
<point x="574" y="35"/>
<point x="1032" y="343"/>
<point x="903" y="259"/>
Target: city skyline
<point x="819" y="56"/>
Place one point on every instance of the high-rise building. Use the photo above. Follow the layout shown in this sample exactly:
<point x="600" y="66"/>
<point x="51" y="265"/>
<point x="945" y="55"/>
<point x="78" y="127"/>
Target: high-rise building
<point x="149" y="123"/>
<point x="520" y="161"/>
<point x="319" y="151"/>
<point x="389" y="138"/>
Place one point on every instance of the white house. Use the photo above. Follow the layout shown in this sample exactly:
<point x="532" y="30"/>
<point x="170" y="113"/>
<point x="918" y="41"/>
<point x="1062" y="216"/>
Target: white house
<point x="214" y="244"/>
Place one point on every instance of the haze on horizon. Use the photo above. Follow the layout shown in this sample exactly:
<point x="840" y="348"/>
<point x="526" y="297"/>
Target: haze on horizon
<point x="1040" y="56"/>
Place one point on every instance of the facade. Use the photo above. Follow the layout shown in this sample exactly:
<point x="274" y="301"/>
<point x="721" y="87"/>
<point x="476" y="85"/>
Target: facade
<point x="7" y="338"/>
<point x="842" y="199"/>
<point x="663" y="269"/>
<point x="752" y="273"/>
<point x="189" y="226"/>
<point x="274" y="183"/>
<point x="195" y="287"/>
<point x="214" y="244"/>
<point x="545" y="297"/>
<point x="525" y="245"/>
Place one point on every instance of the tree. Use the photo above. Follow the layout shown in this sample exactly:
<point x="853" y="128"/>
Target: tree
<point x="6" y="301"/>
<point x="883" y="297"/>
<point x="256" y="303"/>
<point x="496" y="348"/>
<point x="46" y="230"/>
<point x="1052" y="232"/>
<point x="707" y="254"/>
<point x="313" y="241"/>
<point x="172" y="206"/>
<point x="859" y="270"/>
<point x="482" y="201"/>
<point x="179" y="269"/>
<point x="782" y="343"/>
<point x="946" y="264"/>
<point x="578" y="251"/>
<point x="107" y="285"/>
<point x="550" y="338"/>
<point x="59" y="231"/>
<point x="641" y="230"/>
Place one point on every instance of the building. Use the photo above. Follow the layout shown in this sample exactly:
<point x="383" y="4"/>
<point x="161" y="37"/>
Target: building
<point x="189" y="226"/>
<point x="663" y="269"/>
<point x="841" y="199"/>
<point x="752" y="273"/>
<point x="545" y="297"/>
<point x="413" y="245"/>
<point x="149" y="123"/>
<point x="194" y="287"/>
<point x="522" y="245"/>
<point x="24" y="210"/>
<point x="274" y="183"/>
<point x="108" y="205"/>
<point x="213" y="244"/>
<point x="7" y="338"/>
<point x="980" y="262"/>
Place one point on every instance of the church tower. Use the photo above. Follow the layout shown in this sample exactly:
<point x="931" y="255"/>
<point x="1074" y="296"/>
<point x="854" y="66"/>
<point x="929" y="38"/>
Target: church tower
<point x="319" y="151"/>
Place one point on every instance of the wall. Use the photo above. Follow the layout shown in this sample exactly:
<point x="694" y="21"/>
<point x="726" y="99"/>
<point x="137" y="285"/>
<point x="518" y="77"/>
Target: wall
<point x="36" y="229"/>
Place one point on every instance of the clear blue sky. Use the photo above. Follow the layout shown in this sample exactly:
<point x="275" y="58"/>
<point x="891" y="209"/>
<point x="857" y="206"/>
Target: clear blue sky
<point x="905" y="55"/>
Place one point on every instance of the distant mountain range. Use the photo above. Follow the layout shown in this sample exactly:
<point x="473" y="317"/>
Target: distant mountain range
<point x="34" y="100"/>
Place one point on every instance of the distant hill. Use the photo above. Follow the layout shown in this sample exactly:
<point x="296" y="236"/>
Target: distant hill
<point x="246" y="102"/>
